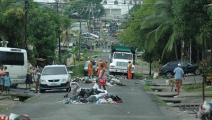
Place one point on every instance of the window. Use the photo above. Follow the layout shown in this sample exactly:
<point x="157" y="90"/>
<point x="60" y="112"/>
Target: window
<point x="11" y="58"/>
<point x="123" y="56"/>
<point x="116" y="2"/>
<point x="54" y="71"/>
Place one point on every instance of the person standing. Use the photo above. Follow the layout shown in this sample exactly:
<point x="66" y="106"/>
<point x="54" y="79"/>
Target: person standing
<point x="2" y="73"/>
<point x="102" y="78"/>
<point x="129" y="70"/>
<point x="98" y="67"/>
<point x="178" y="75"/>
<point x="90" y="69"/>
<point x="28" y="80"/>
<point x="7" y="82"/>
<point x="36" y="78"/>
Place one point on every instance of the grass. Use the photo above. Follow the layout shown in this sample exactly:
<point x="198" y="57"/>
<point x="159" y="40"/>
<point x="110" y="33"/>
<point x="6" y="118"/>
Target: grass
<point x="138" y="75"/>
<point x="196" y="88"/>
<point x="77" y="70"/>
<point x="147" y="88"/>
<point x="159" y="101"/>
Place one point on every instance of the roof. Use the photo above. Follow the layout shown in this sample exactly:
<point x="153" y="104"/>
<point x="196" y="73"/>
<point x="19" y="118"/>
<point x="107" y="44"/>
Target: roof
<point x="55" y="66"/>
<point x="12" y="49"/>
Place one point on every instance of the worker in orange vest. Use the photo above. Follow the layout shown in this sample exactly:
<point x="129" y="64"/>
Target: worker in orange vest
<point x="129" y="70"/>
<point x="90" y="69"/>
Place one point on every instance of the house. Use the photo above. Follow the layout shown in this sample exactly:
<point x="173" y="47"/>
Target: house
<point x="117" y="9"/>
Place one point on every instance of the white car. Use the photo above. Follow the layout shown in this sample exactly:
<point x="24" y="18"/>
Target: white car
<point x="54" y="77"/>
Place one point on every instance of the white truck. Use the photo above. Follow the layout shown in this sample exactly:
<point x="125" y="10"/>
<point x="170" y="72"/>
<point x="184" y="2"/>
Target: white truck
<point x="120" y="56"/>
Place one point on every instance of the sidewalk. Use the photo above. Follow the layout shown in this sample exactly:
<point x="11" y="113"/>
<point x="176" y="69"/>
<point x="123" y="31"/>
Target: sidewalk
<point x="184" y="106"/>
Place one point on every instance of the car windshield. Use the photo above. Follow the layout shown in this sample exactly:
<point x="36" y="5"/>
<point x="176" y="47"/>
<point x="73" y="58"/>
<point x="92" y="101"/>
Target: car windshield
<point x="123" y="56"/>
<point x="54" y="71"/>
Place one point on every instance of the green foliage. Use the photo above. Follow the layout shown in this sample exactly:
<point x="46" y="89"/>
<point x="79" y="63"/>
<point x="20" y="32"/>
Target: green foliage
<point x="78" y="70"/>
<point x="44" y="26"/>
<point x="158" y="27"/>
<point x="209" y="69"/>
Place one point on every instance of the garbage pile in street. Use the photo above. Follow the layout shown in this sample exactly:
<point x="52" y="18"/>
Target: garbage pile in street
<point x="14" y="116"/>
<point x="205" y="111"/>
<point x="78" y="95"/>
<point x="112" y="80"/>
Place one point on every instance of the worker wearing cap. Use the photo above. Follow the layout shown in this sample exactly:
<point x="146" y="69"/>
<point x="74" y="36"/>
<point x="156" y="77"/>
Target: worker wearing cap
<point x="178" y="75"/>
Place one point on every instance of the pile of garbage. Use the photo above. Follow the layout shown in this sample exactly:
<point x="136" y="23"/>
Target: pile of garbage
<point x="14" y="116"/>
<point x="205" y="111"/>
<point x="112" y="80"/>
<point x="78" y="95"/>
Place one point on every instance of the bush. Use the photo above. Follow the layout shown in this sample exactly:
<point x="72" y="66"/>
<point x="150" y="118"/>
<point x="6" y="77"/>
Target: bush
<point x="209" y="69"/>
<point x="77" y="70"/>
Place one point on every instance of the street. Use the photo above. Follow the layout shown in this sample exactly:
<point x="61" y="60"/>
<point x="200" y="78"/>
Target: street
<point x="136" y="105"/>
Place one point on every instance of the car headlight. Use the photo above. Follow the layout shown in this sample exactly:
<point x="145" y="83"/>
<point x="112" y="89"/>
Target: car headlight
<point x="64" y="80"/>
<point x="43" y="81"/>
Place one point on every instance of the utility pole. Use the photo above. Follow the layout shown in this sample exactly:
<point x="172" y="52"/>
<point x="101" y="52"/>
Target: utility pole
<point x="58" y="33"/>
<point x="79" y="45"/>
<point x="26" y="6"/>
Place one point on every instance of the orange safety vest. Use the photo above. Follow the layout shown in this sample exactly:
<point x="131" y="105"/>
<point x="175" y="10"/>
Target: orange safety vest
<point x="129" y="71"/>
<point x="90" y="69"/>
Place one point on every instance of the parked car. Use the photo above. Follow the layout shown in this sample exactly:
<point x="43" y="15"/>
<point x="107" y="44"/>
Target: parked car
<point x="54" y="77"/>
<point x="168" y="68"/>
<point x="85" y="68"/>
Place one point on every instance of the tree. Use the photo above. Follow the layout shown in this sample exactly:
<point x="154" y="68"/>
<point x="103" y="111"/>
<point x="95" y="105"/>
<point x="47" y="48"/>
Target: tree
<point x="162" y="26"/>
<point x="43" y="26"/>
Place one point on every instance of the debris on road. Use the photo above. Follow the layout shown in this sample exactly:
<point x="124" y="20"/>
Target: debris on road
<point x="114" y="81"/>
<point x="14" y="116"/>
<point x="205" y="111"/>
<point x="95" y="95"/>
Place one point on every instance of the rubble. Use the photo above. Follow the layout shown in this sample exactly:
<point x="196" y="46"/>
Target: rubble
<point x="112" y="80"/>
<point x="95" y="95"/>
<point x="205" y="111"/>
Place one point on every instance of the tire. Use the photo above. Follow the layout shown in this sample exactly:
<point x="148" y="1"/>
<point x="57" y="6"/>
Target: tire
<point x="197" y="72"/>
<point x="169" y="75"/>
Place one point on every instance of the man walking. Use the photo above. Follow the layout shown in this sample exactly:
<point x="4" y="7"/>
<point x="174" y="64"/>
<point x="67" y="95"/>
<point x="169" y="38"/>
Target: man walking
<point x="178" y="75"/>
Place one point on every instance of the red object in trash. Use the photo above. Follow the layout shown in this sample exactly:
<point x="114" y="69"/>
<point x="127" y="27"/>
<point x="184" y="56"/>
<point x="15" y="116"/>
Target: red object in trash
<point x="102" y="82"/>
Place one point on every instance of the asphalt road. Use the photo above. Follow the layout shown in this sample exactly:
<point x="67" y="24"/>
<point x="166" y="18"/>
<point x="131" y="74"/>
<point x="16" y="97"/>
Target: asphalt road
<point x="137" y="105"/>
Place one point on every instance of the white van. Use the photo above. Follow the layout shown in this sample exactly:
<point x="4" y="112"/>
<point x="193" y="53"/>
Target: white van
<point x="15" y="59"/>
<point x="54" y="77"/>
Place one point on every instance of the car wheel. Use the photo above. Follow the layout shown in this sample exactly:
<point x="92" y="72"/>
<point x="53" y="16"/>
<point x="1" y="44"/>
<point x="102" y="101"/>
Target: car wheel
<point x="197" y="72"/>
<point x="169" y="75"/>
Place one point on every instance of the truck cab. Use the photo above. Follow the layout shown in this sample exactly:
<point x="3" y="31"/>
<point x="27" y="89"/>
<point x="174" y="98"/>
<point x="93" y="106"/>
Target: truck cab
<point x="120" y="56"/>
